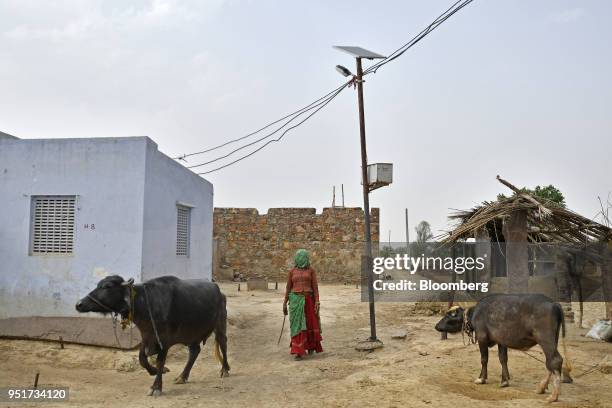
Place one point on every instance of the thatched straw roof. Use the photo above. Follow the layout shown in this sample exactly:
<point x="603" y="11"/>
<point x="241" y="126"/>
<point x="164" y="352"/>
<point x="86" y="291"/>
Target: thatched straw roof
<point x="547" y="221"/>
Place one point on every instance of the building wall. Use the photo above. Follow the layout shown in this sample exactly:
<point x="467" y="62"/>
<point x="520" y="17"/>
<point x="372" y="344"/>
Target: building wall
<point x="125" y="219"/>
<point x="107" y="176"/>
<point x="168" y="183"/>
<point x="264" y="245"/>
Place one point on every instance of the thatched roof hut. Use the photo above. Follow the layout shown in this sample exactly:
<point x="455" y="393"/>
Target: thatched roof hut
<point x="547" y="221"/>
<point x="523" y="219"/>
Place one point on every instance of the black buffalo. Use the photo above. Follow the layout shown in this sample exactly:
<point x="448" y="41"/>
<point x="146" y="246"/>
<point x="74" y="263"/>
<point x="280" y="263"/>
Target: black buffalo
<point x="517" y="322"/>
<point x="180" y="311"/>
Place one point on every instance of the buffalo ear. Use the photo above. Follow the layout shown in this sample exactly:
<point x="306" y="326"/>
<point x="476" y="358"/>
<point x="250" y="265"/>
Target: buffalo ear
<point x="128" y="282"/>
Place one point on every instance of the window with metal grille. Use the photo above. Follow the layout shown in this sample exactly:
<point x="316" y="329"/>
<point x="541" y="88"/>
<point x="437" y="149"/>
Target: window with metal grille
<point x="183" y="226"/>
<point x="52" y="225"/>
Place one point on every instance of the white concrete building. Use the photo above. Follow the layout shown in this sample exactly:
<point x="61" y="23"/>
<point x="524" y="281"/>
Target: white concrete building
<point x="76" y="210"/>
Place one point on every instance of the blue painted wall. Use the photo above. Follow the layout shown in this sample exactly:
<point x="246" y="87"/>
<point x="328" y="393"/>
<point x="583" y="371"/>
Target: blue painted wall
<point x="125" y="189"/>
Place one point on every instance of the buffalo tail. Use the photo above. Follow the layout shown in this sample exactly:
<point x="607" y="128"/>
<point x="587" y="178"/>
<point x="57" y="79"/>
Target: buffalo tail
<point x="566" y="362"/>
<point x="217" y="352"/>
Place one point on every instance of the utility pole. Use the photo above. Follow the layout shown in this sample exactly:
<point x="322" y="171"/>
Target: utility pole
<point x="366" y="199"/>
<point x="360" y="53"/>
<point x="334" y="198"/>
<point x="407" y="235"/>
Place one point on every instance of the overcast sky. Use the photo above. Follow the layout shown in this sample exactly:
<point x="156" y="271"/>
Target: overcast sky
<point x="516" y="88"/>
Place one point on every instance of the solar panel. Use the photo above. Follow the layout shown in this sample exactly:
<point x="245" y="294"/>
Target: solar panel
<point x="358" y="52"/>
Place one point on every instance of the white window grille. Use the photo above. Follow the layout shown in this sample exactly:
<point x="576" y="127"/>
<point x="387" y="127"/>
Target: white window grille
<point x="52" y="225"/>
<point x="183" y="226"/>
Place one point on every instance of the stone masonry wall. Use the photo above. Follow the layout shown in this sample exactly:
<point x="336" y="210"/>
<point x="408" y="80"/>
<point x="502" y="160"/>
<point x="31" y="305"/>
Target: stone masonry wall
<point x="256" y="244"/>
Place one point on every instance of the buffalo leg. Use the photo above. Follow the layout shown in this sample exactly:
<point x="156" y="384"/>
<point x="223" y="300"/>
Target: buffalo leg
<point x="544" y="384"/>
<point x="557" y="362"/>
<point x="194" y="350"/>
<point x="156" y="388"/>
<point x="503" y="359"/>
<point x="144" y="362"/>
<point x="221" y="341"/>
<point x="484" y="360"/>
<point x="554" y="362"/>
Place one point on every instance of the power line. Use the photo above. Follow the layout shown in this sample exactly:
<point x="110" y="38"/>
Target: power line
<point x="280" y="137"/>
<point x="458" y="5"/>
<point x="297" y="112"/>
<point x="303" y="110"/>
<point x="322" y="101"/>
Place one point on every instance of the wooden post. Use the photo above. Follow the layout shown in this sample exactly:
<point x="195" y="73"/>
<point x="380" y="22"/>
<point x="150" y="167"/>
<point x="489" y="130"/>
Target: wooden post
<point x="517" y="256"/>
<point x="451" y="294"/>
<point x="483" y="250"/>
<point x="564" y="289"/>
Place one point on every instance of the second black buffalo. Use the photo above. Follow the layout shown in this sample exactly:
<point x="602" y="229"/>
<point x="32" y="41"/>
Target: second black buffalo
<point x="516" y="322"/>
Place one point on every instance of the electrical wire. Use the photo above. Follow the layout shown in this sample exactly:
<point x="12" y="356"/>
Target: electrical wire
<point x="278" y="138"/>
<point x="303" y="111"/>
<point x="434" y="24"/>
<point x="319" y="103"/>
<point x="297" y="112"/>
<point x="458" y="5"/>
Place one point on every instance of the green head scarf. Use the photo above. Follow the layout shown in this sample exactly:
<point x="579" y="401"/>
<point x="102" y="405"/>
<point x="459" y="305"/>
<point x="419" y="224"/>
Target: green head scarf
<point x="301" y="259"/>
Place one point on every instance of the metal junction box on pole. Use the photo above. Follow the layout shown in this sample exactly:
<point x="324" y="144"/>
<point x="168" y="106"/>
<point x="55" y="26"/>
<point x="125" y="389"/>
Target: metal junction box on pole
<point x="379" y="175"/>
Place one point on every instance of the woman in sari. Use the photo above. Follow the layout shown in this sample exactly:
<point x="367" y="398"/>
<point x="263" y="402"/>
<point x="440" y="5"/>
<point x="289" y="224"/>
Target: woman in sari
<point x="302" y="293"/>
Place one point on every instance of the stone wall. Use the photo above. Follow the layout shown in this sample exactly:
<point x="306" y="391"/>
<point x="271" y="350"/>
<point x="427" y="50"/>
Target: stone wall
<point x="256" y="244"/>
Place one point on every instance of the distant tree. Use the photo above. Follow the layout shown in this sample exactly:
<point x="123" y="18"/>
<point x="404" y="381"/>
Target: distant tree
<point x="423" y="232"/>
<point x="387" y="252"/>
<point x="400" y="250"/>
<point x="549" y="192"/>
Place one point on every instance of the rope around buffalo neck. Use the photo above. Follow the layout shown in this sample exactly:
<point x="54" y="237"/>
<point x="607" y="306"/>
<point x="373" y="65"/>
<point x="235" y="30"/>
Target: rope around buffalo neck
<point x="102" y="305"/>
<point x="468" y="330"/>
<point x="130" y="318"/>
<point x="130" y="314"/>
<point x="161" y="347"/>
<point x="113" y="318"/>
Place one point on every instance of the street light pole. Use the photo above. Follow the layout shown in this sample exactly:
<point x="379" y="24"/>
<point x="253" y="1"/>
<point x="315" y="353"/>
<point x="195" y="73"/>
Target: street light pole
<point x="366" y="199"/>
<point x="360" y="53"/>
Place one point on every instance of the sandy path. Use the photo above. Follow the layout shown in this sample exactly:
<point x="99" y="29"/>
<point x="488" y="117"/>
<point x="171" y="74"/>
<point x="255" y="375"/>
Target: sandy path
<point x="420" y="371"/>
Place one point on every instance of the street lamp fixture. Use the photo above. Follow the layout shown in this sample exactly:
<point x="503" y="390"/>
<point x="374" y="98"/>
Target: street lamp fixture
<point x="343" y="71"/>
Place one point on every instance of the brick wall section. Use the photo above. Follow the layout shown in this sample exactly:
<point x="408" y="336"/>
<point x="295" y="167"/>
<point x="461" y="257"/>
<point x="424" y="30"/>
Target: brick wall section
<point x="264" y="244"/>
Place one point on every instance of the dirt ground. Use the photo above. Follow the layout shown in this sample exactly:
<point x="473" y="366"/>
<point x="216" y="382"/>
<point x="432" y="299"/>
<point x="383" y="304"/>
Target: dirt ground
<point x="419" y="371"/>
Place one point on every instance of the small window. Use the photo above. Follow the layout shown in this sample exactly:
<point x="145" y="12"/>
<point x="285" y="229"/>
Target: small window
<point x="183" y="226"/>
<point x="52" y="225"/>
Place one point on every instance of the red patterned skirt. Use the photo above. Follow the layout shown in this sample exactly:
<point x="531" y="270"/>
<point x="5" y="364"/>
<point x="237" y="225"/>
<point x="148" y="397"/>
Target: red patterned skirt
<point x="309" y="339"/>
